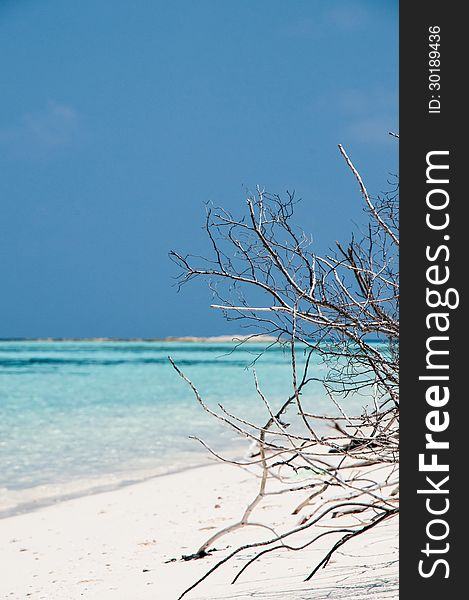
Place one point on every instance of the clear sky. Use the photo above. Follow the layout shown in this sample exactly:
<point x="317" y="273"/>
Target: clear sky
<point x="120" y="118"/>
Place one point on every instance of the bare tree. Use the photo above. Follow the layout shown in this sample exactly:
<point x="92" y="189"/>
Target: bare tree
<point x="342" y="306"/>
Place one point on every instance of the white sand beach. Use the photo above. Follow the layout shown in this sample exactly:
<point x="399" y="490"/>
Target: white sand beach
<point x="115" y="545"/>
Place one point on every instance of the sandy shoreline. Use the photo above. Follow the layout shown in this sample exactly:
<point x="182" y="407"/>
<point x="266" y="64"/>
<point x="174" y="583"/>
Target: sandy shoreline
<point x="15" y="502"/>
<point x="114" y="545"/>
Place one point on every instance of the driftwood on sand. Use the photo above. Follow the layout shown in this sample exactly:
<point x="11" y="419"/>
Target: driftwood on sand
<point x="342" y="307"/>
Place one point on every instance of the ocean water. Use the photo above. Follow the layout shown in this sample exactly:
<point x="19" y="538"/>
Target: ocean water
<point x="76" y="411"/>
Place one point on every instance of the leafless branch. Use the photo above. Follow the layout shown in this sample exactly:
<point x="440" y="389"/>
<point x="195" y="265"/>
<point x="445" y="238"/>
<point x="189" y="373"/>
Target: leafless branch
<point x="341" y="308"/>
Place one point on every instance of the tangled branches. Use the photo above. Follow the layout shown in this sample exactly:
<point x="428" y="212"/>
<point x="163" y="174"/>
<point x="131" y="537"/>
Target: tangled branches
<point x="342" y="307"/>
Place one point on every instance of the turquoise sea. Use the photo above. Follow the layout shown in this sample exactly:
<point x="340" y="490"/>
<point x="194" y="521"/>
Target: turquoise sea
<point x="79" y="411"/>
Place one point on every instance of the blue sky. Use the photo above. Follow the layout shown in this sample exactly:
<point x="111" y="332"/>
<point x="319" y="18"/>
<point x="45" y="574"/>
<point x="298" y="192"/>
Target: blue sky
<point x="119" y="119"/>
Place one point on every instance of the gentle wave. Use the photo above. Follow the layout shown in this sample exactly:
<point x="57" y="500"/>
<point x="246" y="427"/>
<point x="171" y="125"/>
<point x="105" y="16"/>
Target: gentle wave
<point x="26" y="362"/>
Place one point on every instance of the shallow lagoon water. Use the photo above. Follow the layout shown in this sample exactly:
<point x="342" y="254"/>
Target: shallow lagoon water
<point x="77" y="410"/>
